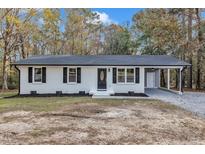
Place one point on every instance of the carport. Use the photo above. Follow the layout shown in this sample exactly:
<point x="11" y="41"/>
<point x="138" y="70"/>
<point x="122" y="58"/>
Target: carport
<point x="153" y="77"/>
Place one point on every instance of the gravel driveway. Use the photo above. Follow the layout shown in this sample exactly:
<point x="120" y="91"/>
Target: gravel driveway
<point x="192" y="101"/>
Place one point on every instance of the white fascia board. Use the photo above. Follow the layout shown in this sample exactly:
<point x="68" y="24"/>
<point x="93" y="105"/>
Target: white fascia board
<point x="168" y="67"/>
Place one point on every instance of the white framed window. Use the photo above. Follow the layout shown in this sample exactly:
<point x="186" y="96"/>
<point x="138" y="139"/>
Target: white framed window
<point x="72" y="75"/>
<point x="126" y="75"/>
<point x="121" y="75"/>
<point x="130" y="75"/>
<point x="38" y="74"/>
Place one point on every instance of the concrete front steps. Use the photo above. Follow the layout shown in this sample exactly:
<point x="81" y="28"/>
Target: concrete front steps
<point x="101" y="93"/>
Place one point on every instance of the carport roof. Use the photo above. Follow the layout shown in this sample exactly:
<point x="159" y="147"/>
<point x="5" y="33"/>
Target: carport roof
<point x="103" y="60"/>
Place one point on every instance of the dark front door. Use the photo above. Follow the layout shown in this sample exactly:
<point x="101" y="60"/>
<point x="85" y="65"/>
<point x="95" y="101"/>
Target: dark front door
<point x="102" y="78"/>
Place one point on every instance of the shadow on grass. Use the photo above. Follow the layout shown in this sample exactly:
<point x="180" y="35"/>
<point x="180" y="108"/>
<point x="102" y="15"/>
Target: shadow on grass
<point x="13" y="96"/>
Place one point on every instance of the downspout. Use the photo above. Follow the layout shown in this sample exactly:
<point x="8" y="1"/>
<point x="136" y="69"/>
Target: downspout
<point x="19" y="78"/>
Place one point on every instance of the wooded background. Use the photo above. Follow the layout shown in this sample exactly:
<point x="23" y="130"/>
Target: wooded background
<point x="28" y="32"/>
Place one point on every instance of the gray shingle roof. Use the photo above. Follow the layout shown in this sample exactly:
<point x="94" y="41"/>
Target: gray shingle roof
<point x="104" y="60"/>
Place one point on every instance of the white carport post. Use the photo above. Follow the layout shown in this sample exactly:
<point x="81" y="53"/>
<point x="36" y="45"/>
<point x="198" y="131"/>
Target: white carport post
<point x="180" y="81"/>
<point x="159" y="78"/>
<point x="168" y="78"/>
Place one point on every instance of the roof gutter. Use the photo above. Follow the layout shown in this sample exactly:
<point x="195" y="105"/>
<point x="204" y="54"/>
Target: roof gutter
<point x="91" y="65"/>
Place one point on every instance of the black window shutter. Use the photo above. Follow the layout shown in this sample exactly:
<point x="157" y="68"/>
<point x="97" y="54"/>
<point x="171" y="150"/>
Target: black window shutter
<point x="78" y="75"/>
<point x="65" y="74"/>
<point x="44" y="74"/>
<point x="137" y="75"/>
<point x="30" y="74"/>
<point x="114" y="75"/>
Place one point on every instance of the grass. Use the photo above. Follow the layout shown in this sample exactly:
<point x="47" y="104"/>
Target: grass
<point x="83" y="120"/>
<point x="9" y="103"/>
<point x="8" y="93"/>
<point x="39" y="104"/>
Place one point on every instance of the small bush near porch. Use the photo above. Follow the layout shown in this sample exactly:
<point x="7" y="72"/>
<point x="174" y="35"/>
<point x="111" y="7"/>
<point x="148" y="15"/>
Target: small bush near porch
<point x="82" y="120"/>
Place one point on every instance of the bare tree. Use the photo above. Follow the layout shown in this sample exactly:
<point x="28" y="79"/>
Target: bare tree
<point x="199" y="50"/>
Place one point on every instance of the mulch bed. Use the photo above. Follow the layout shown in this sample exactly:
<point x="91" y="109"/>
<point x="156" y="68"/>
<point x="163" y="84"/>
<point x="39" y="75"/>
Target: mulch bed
<point x="131" y="95"/>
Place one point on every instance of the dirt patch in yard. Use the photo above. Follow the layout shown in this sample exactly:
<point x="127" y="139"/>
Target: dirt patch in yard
<point x="104" y="122"/>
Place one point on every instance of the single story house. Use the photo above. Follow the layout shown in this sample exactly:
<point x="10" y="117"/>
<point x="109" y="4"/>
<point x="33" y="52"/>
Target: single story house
<point x="94" y="75"/>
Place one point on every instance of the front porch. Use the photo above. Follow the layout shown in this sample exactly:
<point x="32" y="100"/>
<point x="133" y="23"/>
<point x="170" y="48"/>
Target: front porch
<point x="162" y="77"/>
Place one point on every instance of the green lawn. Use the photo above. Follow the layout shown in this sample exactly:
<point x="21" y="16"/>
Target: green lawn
<point x="38" y="104"/>
<point x="10" y="101"/>
<point x="8" y="93"/>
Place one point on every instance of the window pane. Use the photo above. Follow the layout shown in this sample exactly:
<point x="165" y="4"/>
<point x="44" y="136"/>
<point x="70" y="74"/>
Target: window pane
<point x="72" y="75"/>
<point x="121" y="75"/>
<point x="130" y="75"/>
<point x="37" y="74"/>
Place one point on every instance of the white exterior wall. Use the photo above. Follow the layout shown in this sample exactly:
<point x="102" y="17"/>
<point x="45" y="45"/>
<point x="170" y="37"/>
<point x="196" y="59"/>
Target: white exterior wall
<point x="54" y="81"/>
<point x="125" y="87"/>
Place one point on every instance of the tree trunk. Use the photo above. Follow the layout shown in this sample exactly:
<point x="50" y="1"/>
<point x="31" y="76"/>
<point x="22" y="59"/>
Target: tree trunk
<point x="5" y="72"/>
<point x="5" y="59"/>
<point x="190" y="73"/>
<point x="199" y="51"/>
<point x="81" y="44"/>
<point x="189" y="45"/>
<point x="176" y="83"/>
<point x="163" y="83"/>
<point x="184" y="50"/>
<point x="22" y="47"/>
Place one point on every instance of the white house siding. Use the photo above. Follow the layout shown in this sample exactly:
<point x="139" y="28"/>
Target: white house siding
<point x="54" y="81"/>
<point x="125" y="87"/>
